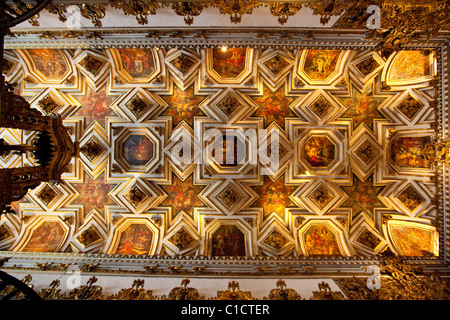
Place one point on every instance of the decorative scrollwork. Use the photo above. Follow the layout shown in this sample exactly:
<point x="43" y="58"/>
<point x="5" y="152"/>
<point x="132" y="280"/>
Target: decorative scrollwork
<point x="188" y="10"/>
<point x="233" y="293"/>
<point x="138" y="8"/>
<point x="184" y="292"/>
<point x="283" y="293"/>
<point x="325" y="293"/>
<point x="236" y="8"/>
<point x="283" y="10"/>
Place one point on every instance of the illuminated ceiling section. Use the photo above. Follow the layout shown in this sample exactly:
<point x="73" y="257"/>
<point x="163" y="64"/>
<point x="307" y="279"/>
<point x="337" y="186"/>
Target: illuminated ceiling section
<point x="237" y="152"/>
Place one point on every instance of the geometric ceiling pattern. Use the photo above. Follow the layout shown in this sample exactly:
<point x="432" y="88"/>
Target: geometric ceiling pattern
<point x="230" y="152"/>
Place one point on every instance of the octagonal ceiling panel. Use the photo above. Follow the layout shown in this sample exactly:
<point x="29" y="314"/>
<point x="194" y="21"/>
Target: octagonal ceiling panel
<point x="136" y="66"/>
<point x="321" y="67"/>
<point x="229" y="65"/>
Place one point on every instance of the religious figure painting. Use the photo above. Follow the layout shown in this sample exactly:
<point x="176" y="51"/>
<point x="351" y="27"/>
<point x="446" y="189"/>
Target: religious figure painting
<point x="183" y="105"/>
<point x="273" y="196"/>
<point x="409" y="65"/>
<point x="228" y="240"/>
<point x="182" y="195"/>
<point x="136" y="239"/>
<point x="363" y="107"/>
<point x="320" y="240"/>
<point x="94" y="193"/>
<point x="229" y="64"/>
<point x="412" y="241"/>
<point x="363" y="196"/>
<point x="274" y="106"/>
<point x="319" y="151"/>
<point x="96" y="105"/>
<point x="45" y="238"/>
<point x="406" y="152"/>
<point x="138" y="150"/>
<point x="137" y="62"/>
<point x="320" y="64"/>
<point x="49" y="62"/>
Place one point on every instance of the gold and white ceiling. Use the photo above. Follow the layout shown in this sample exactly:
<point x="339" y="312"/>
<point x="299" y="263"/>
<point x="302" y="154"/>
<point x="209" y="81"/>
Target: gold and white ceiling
<point x="348" y="127"/>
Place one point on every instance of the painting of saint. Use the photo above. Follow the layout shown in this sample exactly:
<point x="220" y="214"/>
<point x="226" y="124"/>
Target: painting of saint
<point x="362" y="196"/>
<point x="93" y="193"/>
<point x="320" y="64"/>
<point x="406" y="152"/>
<point x="409" y="65"/>
<point x="228" y="240"/>
<point x="96" y="106"/>
<point x="319" y="151"/>
<point x="182" y="195"/>
<point x="137" y="62"/>
<point x="273" y="196"/>
<point x="138" y="150"/>
<point x="274" y="106"/>
<point x="45" y="238"/>
<point x="412" y="241"/>
<point x="320" y="240"/>
<point x="230" y="63"/>
<point x="183" y="105"/>
<point x="136" y="239"/>
<point x="362" y="107"/>
<point x="49" y="62"/>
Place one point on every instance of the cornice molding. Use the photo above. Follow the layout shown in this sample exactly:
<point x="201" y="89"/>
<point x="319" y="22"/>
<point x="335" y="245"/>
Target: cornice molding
<point x="158" y="265"/>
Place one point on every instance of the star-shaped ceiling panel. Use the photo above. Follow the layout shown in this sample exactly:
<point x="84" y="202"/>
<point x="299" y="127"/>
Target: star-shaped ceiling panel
<point x="231" y="152"/>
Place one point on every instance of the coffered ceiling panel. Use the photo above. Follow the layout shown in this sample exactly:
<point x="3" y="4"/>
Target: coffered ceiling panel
<point x="231" y="151"/>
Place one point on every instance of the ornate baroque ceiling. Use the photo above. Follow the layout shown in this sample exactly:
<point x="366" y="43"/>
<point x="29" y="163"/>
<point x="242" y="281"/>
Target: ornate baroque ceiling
<point x="229" y="143"/>
<point x="348" y="126"/>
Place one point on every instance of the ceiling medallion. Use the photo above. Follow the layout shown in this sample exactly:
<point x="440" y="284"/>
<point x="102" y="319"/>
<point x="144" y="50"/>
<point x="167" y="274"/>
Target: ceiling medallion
<point x="276" y="240"/>
<point x="321" y="107"/>
<point x="276" y="64"/>
<point x="368" y="239"/>
<point x="410" y="107"/>
<point x="182" y="63"/>
<point x="366" y="151"/>
<point x="48" y="104"/>
<point x="367" y="66"/>
<point x="135" y="196"/>
<point x="228" y="105"/>
<point x="181" y="239"/>
<point x="89" y="236"/>
<point x="46" y="194"/>
<point x="411" y="198"/>
<point x="321" y="197"/>
<point x="228" y="196"/>
<point x="92" y="149"/>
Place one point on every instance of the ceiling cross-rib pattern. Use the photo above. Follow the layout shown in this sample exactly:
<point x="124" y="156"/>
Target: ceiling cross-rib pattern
<point x="231" y="152"/>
